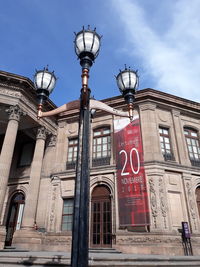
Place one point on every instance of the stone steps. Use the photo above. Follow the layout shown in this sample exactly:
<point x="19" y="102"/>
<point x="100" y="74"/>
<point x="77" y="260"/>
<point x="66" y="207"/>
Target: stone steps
<point x="99" y="259"/>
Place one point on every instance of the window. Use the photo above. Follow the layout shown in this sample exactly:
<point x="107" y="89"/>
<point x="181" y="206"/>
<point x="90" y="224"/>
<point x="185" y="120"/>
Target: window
<point x="67" y="216"/>
<point x="26" y="154"/>
<point x="192" y="141"/>
<point x="101" y="147"/>
<point x="72" y="153"/>
<point x="165" y="144"/>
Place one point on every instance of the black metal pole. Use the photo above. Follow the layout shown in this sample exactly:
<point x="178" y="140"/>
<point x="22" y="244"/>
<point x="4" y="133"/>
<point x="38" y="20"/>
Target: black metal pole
<point x="80" y="231"/>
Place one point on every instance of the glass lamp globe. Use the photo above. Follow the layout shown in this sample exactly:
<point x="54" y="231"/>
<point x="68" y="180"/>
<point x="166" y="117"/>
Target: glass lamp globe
<point x="87" y="43"/>
<point x="45" y="80"/>
<point x="127" y="80"/>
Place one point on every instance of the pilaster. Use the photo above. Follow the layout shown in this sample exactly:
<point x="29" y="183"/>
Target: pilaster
<point x="150" y="134"/>
<point x="178" y="130"/>
<point x="191" y="203"/>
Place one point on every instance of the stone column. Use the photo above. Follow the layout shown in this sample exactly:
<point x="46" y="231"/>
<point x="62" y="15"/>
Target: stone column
<point x="34" y="184"/>
<point x="7" y="149"/>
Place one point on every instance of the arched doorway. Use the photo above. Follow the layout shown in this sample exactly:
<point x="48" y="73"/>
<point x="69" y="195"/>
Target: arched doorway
<point x="198" y="199"/>
<point x="14" y="218"/>
<point x="101" y="217"/>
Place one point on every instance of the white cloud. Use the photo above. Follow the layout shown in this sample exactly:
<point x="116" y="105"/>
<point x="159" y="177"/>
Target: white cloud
<point x="170" y="55"/>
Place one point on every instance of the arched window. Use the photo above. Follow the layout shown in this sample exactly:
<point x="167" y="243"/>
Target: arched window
<point x="101" y="146"/>
<point x="192" y="141"/>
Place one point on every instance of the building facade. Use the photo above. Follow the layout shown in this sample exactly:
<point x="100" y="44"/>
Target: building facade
<point x="37" y="173"/>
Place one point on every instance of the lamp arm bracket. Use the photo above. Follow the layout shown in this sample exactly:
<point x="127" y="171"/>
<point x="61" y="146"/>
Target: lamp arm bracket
<point x="95" y="104"/>
<point x="66" y="107"/>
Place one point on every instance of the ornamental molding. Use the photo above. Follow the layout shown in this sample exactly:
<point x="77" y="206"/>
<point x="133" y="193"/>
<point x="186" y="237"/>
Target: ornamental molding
<point x="102" y="180"/>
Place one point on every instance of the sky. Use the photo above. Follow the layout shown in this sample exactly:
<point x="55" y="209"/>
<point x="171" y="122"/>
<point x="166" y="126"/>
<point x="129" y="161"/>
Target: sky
<point x="159" y="38"/>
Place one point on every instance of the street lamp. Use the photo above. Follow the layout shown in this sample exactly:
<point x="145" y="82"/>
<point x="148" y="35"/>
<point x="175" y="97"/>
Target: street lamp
<point x="87" y="45"/>
<point x="127" y="81"/>
<point x="44" y="82"/>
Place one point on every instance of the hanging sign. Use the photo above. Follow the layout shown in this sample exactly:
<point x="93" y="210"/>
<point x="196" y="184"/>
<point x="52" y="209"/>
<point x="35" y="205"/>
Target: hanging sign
<point x="131" y="181"/>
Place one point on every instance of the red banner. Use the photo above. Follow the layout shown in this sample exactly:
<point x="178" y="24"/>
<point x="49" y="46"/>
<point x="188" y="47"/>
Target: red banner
<point x="131" y="181"/>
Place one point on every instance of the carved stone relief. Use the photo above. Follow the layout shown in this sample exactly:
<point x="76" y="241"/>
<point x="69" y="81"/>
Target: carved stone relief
<point x="147" y="239"/>
<point x="163" y="202"/>
<point x="153" y="201"/>
<point x="55" y="190"/>
<point x="191" y="203"/>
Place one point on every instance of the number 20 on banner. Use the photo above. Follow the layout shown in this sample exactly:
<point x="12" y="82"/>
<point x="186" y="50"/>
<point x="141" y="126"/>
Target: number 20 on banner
<point x="133" y="150"/>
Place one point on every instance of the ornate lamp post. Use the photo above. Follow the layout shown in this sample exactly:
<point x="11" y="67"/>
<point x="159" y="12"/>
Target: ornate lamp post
<point x="87" y="45"/>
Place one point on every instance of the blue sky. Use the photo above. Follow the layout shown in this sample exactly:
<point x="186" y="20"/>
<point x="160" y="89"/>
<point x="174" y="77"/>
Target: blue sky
<point x="159" y="38"/>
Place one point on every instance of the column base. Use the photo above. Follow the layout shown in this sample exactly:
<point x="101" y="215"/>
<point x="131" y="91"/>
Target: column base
<point x="27" y="238"/>
<point x="2" y="236"/>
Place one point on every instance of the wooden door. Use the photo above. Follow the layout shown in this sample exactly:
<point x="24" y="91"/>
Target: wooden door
<point x="14" y="217"/>
<point x="101" y="224"/>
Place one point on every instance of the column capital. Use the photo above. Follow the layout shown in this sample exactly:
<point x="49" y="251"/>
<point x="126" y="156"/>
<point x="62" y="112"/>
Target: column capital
<point x="176" y="112"/>
<point x="15" y="112"/>
<point x="42" y="133"/>
<point x="52" y="140"/>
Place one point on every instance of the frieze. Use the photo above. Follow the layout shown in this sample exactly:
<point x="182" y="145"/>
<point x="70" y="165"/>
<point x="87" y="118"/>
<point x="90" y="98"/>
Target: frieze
<point x="58" y="241"/>
<point x="8" y="92"/>
<point x="147" y="239"/>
